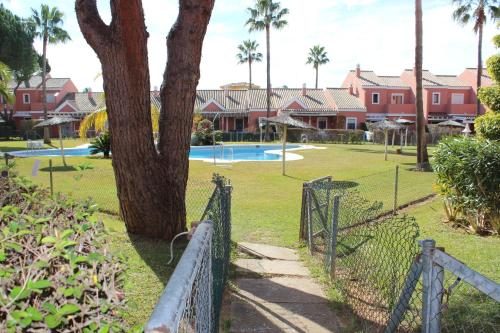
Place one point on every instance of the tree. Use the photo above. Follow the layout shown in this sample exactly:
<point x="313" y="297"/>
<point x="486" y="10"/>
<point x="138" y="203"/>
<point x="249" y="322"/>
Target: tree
<point x="317" y="57"/>
<point x="151" y="184"/>
<point x="248" y="54"/>
<point x="16" y="46"/>
<point x="5" y="77"/>
<point x="476" y="11"/>
<point x="263" y="16"/>
<point x="422" y="155"/>
<point x="47" y="25"/>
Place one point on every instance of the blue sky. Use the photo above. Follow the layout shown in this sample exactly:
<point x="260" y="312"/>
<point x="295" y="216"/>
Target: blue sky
<point x="378" y="34"/>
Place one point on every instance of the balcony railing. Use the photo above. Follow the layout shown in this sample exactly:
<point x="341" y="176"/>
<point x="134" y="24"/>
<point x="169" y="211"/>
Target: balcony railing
<point x="465" y="109"/>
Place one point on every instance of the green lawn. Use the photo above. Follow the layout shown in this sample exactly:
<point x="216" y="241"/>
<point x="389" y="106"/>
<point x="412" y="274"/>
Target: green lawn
<point x="266" y="205"/>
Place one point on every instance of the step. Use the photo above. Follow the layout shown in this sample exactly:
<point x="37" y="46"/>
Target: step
<point x="270" y="267"/>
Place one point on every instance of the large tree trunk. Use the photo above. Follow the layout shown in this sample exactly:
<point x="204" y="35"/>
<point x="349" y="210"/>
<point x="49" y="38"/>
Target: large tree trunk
<point x="46" y="133"/>
<point x="422" y="156"/>
<point x="268" y="99"/>
<point x="151" y="186"/>
<point x="317" y="77"/>
<point x="479" y="67"/>
<point x="250" y="73"/>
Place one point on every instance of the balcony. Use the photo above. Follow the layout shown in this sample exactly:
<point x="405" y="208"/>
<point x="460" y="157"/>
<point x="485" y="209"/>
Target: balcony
<point x="462" y="109"/>
<point x="400" y="109"/>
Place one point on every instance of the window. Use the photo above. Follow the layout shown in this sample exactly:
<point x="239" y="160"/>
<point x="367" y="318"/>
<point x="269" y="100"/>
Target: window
<point x="457" y="98"/>
<point x="436" y="98"/>
<point x="375" y="98"/>
<point x="397" y="99"/>
<point x="322" y="123"/>
<point x="239" y="125"/>
<point x="217" y="124"/>
<point x="350" y="123"/>
<point x="51" y="98"/>
<point x="26" y="98"/>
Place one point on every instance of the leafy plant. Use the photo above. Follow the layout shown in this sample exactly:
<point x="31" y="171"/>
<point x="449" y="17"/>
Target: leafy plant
<point x="56" y="273"/>
<point x="101" y="144"/>
<point x="468" y="172"/>
<point x="205" y="133"/>
<point x="488" y="126"/>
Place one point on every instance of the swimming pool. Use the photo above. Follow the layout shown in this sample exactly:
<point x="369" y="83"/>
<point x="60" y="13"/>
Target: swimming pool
<point x="222" y="153"/>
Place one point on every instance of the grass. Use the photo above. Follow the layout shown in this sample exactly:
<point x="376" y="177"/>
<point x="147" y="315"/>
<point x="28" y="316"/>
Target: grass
<point x="266" y="206"/>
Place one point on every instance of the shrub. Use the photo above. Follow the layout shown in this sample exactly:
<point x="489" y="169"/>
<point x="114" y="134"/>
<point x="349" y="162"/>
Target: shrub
<point x="488" y="126"/>
<point x="56" y="273"/>
<point x="205" y="133"/>
<point x="490" y="96"/>
<point x="468" y="172"/>
<point x="101" y="144"/>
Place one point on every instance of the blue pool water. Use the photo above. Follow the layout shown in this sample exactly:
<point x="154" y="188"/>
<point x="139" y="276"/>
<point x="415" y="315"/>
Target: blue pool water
<point x="226" y="152"/>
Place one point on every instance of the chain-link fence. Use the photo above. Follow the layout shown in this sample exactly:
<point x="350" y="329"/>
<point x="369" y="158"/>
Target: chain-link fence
<point x="375" y="262"/>
<point x="192" y="299"/>
<point x="95" y="179"/>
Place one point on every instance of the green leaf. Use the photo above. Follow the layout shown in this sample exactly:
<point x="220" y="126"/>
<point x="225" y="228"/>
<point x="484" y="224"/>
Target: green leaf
<point x="68" y="292"/>
<point x="25" y="322"/>
<point x="66" y="243"/>
<point x="68" y="309"/>
<point x="19" y="293"/>
<point x="41" y="220"/>
<point x="13" y="246"/>
<point x="49" y="240"/>
<point x="104" y="329"/>
<point x="77" y="292"/>
<point x="52" y="321"/>
<point x="49" y="307"/>
<point x="3" y="256"/>
<point x="34" y="313"/>
<point x="40" y="284"/>
<point x="66" y="233"/>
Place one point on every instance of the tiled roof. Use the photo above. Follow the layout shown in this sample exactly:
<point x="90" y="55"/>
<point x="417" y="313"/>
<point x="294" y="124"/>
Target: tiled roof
<point x="431" y="80"/>
<point x="369" y="78"/>
<point x="35" y="82"/>
<point x="345" y="101"/>
<point x="231" y="100"/>
<point x="85" y="104"/>
<point x="486" y="78"/>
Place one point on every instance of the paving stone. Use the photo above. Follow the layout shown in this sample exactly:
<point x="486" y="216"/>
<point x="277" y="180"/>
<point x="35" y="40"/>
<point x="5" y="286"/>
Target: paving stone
<point x="268" y="251"/>
<point x="271" y="267"/>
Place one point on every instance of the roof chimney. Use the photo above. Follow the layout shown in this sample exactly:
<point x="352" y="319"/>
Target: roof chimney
<point x="358" y="70"/>
<point x="304" y="90"/>
<point x="351" y="90"/>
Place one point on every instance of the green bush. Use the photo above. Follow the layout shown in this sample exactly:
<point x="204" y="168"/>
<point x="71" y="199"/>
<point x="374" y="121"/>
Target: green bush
<point x="488" y="126"/>
<point x="205" y="133"/>
<point x="56" y="273"/>
<point x="493" y="66"/>
<point x="101" y="144"/>
<point x="468" y="172"/>
<point x="490" y="96"/>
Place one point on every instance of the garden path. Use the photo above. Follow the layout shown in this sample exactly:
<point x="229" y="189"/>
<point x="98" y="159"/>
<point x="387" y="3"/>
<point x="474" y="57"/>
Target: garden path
<point x="274" y="292"/>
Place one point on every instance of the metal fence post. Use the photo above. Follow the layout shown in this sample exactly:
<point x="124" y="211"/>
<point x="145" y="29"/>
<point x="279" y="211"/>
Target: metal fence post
<point x="309" y="221"/>
<point x="396" y="184"/>
<point x="51" y="178"/>
<point x="333" y="239"/>
<point x="433" y="276"/>
<point x="303" y="214"/>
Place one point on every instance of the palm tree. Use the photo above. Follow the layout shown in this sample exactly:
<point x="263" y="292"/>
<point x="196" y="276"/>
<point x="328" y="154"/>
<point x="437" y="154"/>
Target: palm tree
<point x="47" y="25"/>
<point x="263" y="16"/>
<point x="248" y="54"/>
<point x="476" y="11"/>
<point x="317" y="56"/>
<point x="422" y="155"/>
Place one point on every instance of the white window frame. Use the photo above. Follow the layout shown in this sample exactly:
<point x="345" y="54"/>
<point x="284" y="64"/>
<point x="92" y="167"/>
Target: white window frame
<point x="325" y="119"/>
<point x="439" y="98"/>
<point x="24" y="98"/>
<point x="458" y="94"/>
<point x="378" y="97"/>
<point x="398" y="94"/>
<point x="347" y="122"/>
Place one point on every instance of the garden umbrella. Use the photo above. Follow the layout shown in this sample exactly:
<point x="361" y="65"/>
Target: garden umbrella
<point x="451" y="124"/>
<point x="406" y="123"/>
<point x="285" y="120"/>
<point x="386" y="125"/>
<point x="57" y="121"/>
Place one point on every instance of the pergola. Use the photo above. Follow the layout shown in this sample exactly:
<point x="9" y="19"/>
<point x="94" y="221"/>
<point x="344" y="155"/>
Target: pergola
<point x="286" y="121"/>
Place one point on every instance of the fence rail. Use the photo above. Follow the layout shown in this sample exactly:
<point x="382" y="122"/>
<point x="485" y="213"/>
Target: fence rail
<point x="192" y="299"/>
<point x="388" y="281"/>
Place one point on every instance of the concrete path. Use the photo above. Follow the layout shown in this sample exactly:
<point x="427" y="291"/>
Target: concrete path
<point x="275" y="293"/>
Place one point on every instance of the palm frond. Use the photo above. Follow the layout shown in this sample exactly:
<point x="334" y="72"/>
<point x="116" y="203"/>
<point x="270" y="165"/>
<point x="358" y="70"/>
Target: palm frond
<point x="96" y="120"/>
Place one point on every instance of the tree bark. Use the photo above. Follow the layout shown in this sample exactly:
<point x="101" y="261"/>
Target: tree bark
<point x="316" y="77"/>
<point x="250" y="73"/>
<point x="479" y="67"/>
<point x="422" y="156"/>
<point x="151" y="185"/>
<point x="46" y="133"/>
<point x="268" y="99"/>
